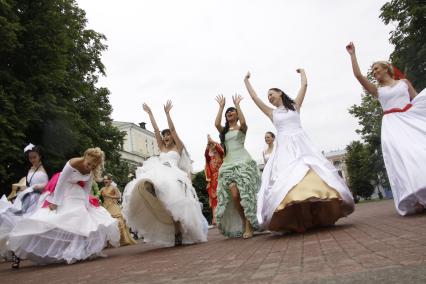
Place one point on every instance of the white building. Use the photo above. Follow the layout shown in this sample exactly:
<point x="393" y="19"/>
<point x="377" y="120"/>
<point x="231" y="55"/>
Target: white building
<point x="337" y="158"/>
<point x="139" y="143"/>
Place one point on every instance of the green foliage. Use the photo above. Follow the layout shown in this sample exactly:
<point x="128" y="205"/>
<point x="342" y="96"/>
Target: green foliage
<point x="409" y="37"/>
<point x="369" y="114"/>
<point x="200" y="185"/>
<point x="49" y="67"/>
<point x="360" y="169"/>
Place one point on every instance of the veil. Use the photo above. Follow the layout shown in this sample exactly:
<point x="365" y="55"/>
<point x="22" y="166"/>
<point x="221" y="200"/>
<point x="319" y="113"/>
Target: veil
<point x="185" y="162"/>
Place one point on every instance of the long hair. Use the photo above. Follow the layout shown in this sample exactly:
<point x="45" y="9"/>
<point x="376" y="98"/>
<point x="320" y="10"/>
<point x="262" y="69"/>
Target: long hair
<point x="35" y="149"/>
<point x="225" y="129"/>
<point x="287" y="101"/>
<point x="99" y="157"/>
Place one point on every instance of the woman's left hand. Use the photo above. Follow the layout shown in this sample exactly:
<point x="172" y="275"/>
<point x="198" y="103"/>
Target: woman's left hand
<point x="237" y="99"/>
<point x="168" y="106"/>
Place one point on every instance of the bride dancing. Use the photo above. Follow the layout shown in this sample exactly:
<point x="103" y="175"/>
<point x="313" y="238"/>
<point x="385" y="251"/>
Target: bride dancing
<point x="70" y="228"/>
<point x="403" y="133"/>
<point x="300" y="188"/>
<point x="161" y="204"/>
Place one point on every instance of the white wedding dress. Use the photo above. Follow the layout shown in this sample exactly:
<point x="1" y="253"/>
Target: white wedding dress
<point x="300" y="188"/>
<point x="25" y="204"/>
<point x="161" y="194"/>
<point x="74" y="231"/>
<point x="404" y="145"/>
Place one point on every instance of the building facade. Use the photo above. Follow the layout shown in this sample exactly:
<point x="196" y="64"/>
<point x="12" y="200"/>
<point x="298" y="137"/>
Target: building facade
<point x="139" y="143"/>
<point x="337" y="158"/>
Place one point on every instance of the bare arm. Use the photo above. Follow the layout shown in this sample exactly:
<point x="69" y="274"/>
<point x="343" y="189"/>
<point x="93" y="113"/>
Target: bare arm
<point x="303" y="87"/>
<point x="261" y="105"/>
<point x="221" y="101"/>
<point x="411" y="90"/>
<point x="370" y="87"/>
<point x="167" y="107"/>
<point x="243" y="125"/>
<point x="160" y="142"/>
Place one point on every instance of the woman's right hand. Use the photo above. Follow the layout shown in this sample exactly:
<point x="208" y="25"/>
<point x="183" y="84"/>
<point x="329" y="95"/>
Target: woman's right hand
<point x="220" y="100"/>
<point x="350" y="48"/>
<point x="53" y="206"/>
<point x="146" y="108"/>
<point x="247" y="75"/>
<point x="209" y="139"/>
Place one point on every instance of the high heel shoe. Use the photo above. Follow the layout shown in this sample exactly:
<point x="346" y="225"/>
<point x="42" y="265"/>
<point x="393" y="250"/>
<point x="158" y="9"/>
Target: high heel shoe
<point x="178" y="239"/>
<point x="16" y="261"/>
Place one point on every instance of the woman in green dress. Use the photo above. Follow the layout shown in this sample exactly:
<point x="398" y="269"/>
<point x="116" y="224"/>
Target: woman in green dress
<point x="239" y="177"/>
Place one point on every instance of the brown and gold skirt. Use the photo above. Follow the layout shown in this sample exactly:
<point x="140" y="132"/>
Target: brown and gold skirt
<point x="309" y="204"/>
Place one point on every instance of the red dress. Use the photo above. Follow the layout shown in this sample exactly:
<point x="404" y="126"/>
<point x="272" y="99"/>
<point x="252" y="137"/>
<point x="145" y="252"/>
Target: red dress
<point x="213" y="163"/>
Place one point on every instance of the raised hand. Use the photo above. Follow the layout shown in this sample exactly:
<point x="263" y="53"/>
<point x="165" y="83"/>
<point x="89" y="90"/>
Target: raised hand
<point x="247" y="76"/>
<point x="146" y="108"/>
<point x="209" y="139"/>
<point x="237" y="99"/>
<point x="168" y="106"/>
<point x="350" y="48"/>
<point x="300" y="70"/>
<point x="220" y="100"/>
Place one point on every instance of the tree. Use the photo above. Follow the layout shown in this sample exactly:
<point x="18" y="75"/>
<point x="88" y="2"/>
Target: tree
<point x="200" y="184"/>
<point x="360" y="169"/>
<point x="369" y="114"/>
<point x="49" y="66"/>
<point x="409" y="37"/>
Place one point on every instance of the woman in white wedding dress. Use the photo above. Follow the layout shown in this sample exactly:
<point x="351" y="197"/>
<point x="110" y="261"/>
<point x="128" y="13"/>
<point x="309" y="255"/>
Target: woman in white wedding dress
<point x="300" y="188"/>
<point x="27" y="200"/>
<point x="269" y="140"/>
<point x="403" y="133"/>
<point x="69" y="227"/>
<point x="161" y="203"/>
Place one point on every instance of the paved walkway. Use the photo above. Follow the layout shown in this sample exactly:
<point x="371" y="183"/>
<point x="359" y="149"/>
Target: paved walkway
<point x="372" y="245"/>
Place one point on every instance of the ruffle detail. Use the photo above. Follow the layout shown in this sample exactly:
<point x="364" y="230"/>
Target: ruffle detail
<point x="247" y="177"/>
<point x="57" y="245"/>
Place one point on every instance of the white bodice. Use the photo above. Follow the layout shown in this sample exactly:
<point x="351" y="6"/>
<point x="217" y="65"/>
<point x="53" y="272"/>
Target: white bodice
<point x="287" y="122"/>
<point x="394" y="97"/>
<point x="75" y="176"/>
<point x="171" y="157"/>
<point x="266" y="156"/>
<point x="39" y="177"/>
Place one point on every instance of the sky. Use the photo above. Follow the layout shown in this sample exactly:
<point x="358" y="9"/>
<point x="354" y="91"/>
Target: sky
<point x="189" y="51"/>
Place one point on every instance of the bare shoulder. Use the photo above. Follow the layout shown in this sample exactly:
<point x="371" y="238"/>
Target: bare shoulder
<point x="75" y="162"/>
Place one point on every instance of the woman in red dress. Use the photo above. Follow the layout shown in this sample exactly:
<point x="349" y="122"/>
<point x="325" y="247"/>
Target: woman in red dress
<point x="214" y="156"/>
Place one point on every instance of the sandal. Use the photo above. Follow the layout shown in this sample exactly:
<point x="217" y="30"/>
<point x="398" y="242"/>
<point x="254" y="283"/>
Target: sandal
<point x="178" y="239"/>
<point x="248" y="235"/>
<point x="16" y="261"/>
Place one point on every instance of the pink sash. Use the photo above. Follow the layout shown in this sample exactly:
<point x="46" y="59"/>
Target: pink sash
<point x="51" y="185"/>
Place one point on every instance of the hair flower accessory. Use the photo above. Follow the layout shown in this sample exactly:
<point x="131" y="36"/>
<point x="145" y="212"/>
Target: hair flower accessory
<point x="29" y="147"/>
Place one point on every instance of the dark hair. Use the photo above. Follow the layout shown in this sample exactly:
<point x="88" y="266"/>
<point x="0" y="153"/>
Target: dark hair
<point x="271" y="133"/>
<point x="165" y="131"/>
<point x="108" y="176"/>
<point x="39" y="151"/>
<point x="225" y="129"/>
<point x="35" y="149"/>
<point x="287" y="101"/>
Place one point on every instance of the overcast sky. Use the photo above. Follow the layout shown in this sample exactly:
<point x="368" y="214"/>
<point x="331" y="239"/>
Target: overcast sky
<point x="191" y="50"/>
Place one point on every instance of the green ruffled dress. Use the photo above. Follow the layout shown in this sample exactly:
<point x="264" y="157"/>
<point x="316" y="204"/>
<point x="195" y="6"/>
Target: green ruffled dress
<point x="238" y="167"/>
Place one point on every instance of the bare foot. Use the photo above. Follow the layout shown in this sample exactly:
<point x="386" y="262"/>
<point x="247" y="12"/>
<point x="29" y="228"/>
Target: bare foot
<point x="248" y="232"/>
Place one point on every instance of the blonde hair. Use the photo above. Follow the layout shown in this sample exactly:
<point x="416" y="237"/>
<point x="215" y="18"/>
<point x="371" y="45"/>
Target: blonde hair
<point x="99" y="157"/>
<point x="386" y="65"/>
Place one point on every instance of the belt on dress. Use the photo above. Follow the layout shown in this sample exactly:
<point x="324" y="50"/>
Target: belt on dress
<point x="392" y="110"/>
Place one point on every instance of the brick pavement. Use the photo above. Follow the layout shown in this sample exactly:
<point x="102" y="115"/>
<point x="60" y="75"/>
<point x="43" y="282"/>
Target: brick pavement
<point x="372" y="245"/>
